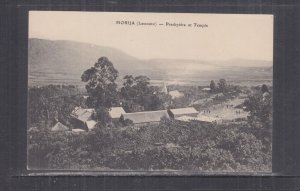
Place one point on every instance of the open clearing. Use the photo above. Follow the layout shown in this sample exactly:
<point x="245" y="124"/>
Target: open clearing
<point x="226" y="110"/>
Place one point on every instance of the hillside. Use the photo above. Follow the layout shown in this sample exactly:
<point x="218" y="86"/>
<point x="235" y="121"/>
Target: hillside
<point x="63" y="62"/>
<point x="72" y="57"/>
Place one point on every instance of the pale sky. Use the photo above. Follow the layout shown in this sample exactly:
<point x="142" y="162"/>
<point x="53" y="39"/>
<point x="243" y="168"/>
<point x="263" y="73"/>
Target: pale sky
<point x="227" y="36"/>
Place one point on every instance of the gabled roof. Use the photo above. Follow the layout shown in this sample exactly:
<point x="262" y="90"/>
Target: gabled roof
<point x="82" y="114"/>
<point x="59" y="127"/>
<point x="116" y="112"/>
<point x="91" y="124"/>
<point x="145" y="117"/>
<point x="181" y="111"/>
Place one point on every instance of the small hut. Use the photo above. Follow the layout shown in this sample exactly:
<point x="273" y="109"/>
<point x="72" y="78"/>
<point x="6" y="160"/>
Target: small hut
<point x="116" y="112"/>
<point x="83" y="119"/>
<point x="59" y="127"/>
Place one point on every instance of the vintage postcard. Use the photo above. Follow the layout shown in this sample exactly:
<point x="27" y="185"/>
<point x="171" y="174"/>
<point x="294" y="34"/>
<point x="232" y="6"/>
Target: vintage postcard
<point x="151" y="92"/>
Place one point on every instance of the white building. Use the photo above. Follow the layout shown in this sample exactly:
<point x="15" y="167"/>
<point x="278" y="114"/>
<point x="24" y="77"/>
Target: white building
<point x="116" y="112"/>
<point x="175" y="94"/>
<point x="206" y="89"/>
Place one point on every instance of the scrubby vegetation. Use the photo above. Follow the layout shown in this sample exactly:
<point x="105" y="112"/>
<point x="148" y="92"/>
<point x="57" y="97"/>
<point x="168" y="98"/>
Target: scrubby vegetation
<point x="170" y="145"/>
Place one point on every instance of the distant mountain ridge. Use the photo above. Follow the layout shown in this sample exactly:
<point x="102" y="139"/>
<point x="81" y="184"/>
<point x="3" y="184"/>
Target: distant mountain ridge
<point x="64" y="61"/>
<point x="60" y="55"/>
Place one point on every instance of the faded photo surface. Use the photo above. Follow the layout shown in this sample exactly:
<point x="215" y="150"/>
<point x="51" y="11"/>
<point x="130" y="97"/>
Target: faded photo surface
<point x="154" y="92"/>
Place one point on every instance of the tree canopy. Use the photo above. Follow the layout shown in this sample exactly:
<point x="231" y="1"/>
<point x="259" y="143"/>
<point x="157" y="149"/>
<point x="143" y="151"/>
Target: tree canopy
<point x="138" y="95"/>
<point x="264" y="88"/>
<point x="212" y="86"/>
<point x="101" y="86"/>
<point x="222" y="85"/>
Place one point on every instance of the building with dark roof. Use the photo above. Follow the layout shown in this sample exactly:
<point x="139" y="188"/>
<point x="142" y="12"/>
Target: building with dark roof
<point x="188" y="111"/>
<point x="146" y="117"/>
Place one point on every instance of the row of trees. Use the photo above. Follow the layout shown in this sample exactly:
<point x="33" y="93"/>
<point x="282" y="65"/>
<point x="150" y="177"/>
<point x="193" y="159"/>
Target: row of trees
<point x="52" y="103"/>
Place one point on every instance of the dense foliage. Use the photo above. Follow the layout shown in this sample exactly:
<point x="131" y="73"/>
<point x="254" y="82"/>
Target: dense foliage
<point x="138" y="95"/>
<point x="170" y="145"/>
<point x="49" y="104"/>
<point x="260" y="106"/>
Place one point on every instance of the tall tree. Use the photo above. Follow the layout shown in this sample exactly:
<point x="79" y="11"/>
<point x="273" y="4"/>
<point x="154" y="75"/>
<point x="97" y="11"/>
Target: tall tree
<point x="138" y="95"/>
<point x="142" y="89"/>
<point x="127" y="91"/>
<point x="101" y="86"/>
<point x="212" y="86"/>
<point x="264" y="88"/>
<point x="222" y="85"/>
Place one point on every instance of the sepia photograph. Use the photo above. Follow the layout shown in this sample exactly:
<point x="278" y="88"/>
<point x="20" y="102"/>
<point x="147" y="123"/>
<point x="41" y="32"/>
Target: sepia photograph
<point x="151" y="92"/>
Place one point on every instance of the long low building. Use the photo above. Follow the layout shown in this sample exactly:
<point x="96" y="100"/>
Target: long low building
<point x="201" y="118"/>
<point x="146" y="117"/>
<point x="188" y="111"/>
<point x="83" y="118"/>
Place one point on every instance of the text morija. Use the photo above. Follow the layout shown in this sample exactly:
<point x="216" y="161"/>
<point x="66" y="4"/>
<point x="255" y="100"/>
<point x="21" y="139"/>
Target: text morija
<point x="125" y="22"/>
